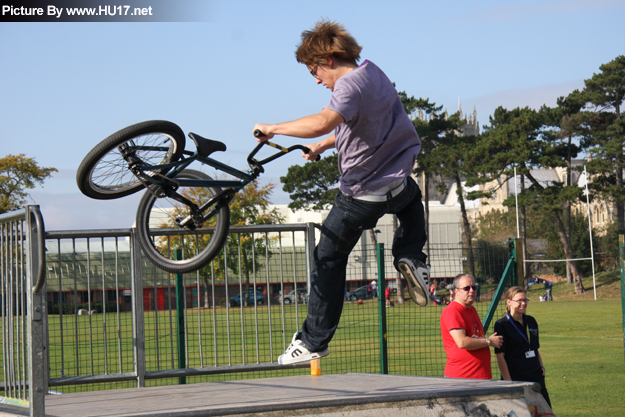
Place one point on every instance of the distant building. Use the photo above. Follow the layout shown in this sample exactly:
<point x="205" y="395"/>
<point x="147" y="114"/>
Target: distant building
<point x="602" y="212"/>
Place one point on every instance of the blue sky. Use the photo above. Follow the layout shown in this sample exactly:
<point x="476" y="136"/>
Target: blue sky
<point x="67" y="86"/>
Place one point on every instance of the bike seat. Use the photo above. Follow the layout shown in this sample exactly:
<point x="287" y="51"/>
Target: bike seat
<point x="205" y="146"/>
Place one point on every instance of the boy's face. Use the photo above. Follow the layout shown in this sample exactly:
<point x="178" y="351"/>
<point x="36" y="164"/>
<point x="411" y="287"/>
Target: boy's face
<point x="324" y="75"/>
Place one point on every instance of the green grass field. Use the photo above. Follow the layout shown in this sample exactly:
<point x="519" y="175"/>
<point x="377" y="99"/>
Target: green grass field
<point x="581" y="344"/>
<point x="582" y="347"/>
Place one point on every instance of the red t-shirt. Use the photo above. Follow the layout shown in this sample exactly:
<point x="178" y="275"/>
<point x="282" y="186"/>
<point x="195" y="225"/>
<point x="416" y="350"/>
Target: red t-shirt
<point x="463" y="363"/>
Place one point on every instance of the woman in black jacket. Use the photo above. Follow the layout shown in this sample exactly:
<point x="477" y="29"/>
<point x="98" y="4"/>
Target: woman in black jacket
<point x="518" y="357"/>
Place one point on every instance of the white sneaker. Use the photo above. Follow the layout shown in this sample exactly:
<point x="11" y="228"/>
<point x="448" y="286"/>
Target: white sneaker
<point x="417" y="274"/>
<point x="297" y="352"/>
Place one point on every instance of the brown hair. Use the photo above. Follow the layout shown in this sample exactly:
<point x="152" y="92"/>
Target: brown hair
<point x="327" y="40"/>
<point x="511" y="292"/>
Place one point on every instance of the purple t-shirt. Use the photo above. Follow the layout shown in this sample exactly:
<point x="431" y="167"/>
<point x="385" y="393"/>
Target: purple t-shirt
<point x="377" y="143"/>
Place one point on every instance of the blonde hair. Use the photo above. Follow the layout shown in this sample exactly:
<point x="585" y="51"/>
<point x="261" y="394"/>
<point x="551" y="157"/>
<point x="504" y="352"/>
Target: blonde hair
<point x="511" y="292"/>
<point x="327" y="40"/>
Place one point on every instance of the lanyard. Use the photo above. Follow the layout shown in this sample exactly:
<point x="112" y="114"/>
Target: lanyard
<point x="511" y="320"/>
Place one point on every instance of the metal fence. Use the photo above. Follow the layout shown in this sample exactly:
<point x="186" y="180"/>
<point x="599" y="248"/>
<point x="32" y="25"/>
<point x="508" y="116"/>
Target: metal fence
<point x="22" y="283"/>
<point x="103" y="294"/>
<point x="621" y="245"/>
<point x="113" y="320"/>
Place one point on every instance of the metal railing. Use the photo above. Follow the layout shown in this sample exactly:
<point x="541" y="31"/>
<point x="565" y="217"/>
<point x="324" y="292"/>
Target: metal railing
<point x="118" y="312"/>
<point x="22" y="283"/>
<point x="106" y="318"/>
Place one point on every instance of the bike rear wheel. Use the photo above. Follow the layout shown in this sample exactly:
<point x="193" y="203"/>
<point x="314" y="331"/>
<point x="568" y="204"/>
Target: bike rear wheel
<point x="160" y="236"/>
<point x="105" y="174"/>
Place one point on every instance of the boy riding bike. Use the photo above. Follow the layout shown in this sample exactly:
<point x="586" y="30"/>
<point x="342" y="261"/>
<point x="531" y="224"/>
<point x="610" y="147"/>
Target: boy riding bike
<point x="377" y="147"/>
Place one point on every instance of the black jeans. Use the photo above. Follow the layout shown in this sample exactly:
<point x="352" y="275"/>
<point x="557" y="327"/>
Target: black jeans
<point x="543" y="390"/>
<point x="340" y="232"/>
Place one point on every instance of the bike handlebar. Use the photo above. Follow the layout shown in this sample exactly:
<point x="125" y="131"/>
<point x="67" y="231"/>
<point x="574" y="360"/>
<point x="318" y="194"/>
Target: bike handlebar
<point x="259" y="134"/>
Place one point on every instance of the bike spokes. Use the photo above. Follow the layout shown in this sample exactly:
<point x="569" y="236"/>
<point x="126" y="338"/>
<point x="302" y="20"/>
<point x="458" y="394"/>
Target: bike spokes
<point x="176" y="222"/>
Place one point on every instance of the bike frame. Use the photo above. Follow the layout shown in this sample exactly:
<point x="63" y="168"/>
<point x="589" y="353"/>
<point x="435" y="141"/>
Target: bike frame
<point x="176" y="167"/>
<point x="231" y="186"/>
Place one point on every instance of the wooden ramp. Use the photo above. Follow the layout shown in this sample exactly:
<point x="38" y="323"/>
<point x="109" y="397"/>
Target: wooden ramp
<point x="345" y="395"/>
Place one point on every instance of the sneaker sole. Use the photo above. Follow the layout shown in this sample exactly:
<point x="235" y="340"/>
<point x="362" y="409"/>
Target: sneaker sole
<point x="308" y="358"/>
<point x="415" y="289"/>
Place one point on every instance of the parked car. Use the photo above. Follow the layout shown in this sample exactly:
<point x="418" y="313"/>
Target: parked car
<point x="289" y="298"/>
<point x="236" y="300"/>
<point x="358" y="294"/>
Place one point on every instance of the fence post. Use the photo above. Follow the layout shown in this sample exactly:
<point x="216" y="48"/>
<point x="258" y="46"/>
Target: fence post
<point x="310" y="252"/>
<point x="621" y="245"/>
<point x="519" y="258"/>
<point x="36" y="314"/>
<point x="180" y="293"/>
<point x="382" y="310"/>
<point x="138" y="323"/>
<point x="508" y="273"/>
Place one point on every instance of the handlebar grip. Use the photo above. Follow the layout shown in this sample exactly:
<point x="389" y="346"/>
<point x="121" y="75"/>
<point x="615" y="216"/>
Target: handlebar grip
<point x="307" y="150"/>
<point x="258" y="133"/>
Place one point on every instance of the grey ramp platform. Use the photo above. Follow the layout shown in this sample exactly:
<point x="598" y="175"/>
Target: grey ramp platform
<point x="344" y="395"/>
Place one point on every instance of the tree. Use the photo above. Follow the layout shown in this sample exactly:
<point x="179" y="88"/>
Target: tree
<point x="515" y="138"/>
<point x="312" y="186"/>
<point x="249" y="206"/>
<point x="429" y="128"/>
<point x="604" y="94"/>
<point x="497" y="226"/>
<point x="607" y="250"/>
<point x="445" y="153"/>
<point x="18" y="174"/>
<point x="564" y="123"/>
<point x="580" y="246"/>
<point x="453" y="158"/>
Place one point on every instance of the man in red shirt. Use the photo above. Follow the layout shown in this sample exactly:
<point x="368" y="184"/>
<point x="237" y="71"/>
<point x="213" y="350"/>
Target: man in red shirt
<point x="466" y="345"/>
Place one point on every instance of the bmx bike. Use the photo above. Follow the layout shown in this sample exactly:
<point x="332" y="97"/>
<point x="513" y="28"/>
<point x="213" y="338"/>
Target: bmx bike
<point x="181" y="208"/>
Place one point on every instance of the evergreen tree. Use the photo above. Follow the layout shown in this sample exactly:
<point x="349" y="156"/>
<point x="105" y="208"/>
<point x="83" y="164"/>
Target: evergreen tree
<point x="562" y="125"/>
<point x="604" y="94"/>
<point x="430" y="128"/>
<point x="312" y="186"/>
<point x="452" y="157"/>
<point x="580" y="244"/>
<point x="516" y="138"/>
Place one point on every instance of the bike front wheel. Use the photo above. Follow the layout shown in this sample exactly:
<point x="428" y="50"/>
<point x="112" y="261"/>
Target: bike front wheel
<point x="160" y="235"/>
<point x="105" y="173"/>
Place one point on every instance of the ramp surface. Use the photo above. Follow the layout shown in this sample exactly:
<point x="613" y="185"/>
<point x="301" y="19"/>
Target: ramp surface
<point x="345" y="395"/>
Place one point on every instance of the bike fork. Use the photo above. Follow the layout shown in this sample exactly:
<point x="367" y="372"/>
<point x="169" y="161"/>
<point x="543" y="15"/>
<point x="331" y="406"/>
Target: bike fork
<point x="197" y="218"/>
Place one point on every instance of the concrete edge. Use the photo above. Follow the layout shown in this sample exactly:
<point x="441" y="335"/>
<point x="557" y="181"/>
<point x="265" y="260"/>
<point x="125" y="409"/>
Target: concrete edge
<point x="408" y="399"/>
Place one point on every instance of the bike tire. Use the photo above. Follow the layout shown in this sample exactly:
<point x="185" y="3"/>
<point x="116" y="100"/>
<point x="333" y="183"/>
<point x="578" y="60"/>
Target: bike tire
<point x="104" y="174"/>
<point x="159" y="241"/>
